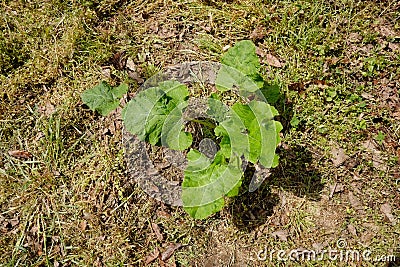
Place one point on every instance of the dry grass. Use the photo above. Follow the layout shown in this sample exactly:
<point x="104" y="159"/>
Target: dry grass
<point x="71" y="203"/>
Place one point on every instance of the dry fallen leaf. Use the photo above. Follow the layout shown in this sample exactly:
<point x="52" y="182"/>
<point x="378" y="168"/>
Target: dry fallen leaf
<point x="258" y="33"/>
<point x="282" y="197"/>
<point x="369" y="145"/>
<point x="336" y="188"/>
<point x="14" y="222"/>
<point x="106" y="72"/>
<point x="136" y="76"/>
<point x="87" y="215"/>
<point x="356" y="203"/>
<point x="119" y="60"/>
<point x="152" y="257"/>
<point x="387" y="210"/>
<point x="132" y="71"/>
<point x="225" y="48"/>
<point x="298" y="86"/>
<point x="83" y="225"/>
<point x="170" y="263"/>
<point x="169" y="251"/>
<point x="377" y="161"/>
<point x="352" y="229"/>
<point x="394" y="47"/>
<point x="20" y="154"/>
<point x="367" y="96"/>
<point x="130" y="64"/>
<point x="157" y="231"/>
<point x="163" y="214"/>
<point x="371" y="226"/>
<point x="47" y="109"/>
<point x="273" y="61"/>
<point x="367" y="237"/>
<point x="338" y="156"/>
<point x="281" y="234"/>
<point x="320" y="84"/>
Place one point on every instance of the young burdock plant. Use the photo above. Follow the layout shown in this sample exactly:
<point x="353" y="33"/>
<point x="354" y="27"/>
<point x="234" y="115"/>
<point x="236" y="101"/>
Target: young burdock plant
<point x="246" y="131"/>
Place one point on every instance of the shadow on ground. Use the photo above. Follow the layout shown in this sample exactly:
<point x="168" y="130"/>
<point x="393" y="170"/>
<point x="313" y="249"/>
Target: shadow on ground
<point x="294" y="174"/>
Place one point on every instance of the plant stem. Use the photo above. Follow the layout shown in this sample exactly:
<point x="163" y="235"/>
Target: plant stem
<point x="205" y="123"/>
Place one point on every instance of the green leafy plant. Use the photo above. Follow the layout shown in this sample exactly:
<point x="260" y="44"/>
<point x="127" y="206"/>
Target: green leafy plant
<point x="104" y="98"/>
<point x="155" y="115"/>
<point x="246" y="131"/>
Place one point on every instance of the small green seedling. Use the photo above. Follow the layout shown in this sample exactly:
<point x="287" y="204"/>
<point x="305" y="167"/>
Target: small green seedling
<point x="380" y="137"/>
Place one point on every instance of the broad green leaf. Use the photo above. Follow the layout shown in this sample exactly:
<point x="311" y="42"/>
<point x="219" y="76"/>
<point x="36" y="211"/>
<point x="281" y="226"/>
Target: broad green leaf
<point x="173" y="135"/>
<point x="207" y="182"/>
<point x="248" y="118"/>
<point x="271" y="93"/>
<point x="120" y="90"/>
<point x="155" y="115"/>
<point x="278" y="128"/>
<point x="243" y="57"/>
<point x="217" y="110"/>
<point x="240" y="69"/>
<point x="234" y="139"/>
<point x="104" y="98"/>
<point x="264" y="132"/>
<point x="229" y="78"/>
<point x="251" y="131"/>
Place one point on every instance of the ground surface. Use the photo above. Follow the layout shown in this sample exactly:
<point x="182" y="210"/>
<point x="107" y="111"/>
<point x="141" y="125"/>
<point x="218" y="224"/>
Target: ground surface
<point x="66" y="200"/>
